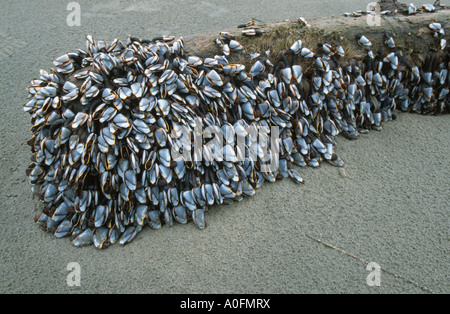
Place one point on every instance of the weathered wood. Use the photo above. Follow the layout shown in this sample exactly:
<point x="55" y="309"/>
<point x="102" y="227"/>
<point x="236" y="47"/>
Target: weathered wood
<point x="411" y="34"/>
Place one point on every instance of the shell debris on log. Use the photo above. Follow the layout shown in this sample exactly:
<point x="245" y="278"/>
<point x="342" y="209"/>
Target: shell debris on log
<point x="107" y="119"/>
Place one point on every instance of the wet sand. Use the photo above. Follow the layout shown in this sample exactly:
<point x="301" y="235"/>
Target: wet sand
<point x="388" y="205"/>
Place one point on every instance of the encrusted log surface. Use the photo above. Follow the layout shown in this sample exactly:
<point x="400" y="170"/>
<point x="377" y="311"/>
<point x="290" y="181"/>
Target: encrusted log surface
<point x="410" y="32"/>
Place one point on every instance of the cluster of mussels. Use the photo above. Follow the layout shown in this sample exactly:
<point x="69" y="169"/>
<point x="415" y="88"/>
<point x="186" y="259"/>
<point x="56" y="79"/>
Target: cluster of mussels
<point x="105" y="121"/>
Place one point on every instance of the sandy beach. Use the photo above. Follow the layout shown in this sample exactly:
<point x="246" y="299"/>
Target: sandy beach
<point x="389" y="204"/>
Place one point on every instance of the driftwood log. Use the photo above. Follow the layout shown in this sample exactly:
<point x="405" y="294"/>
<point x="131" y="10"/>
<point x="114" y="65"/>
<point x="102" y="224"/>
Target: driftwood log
<point x="411" y="33"/>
